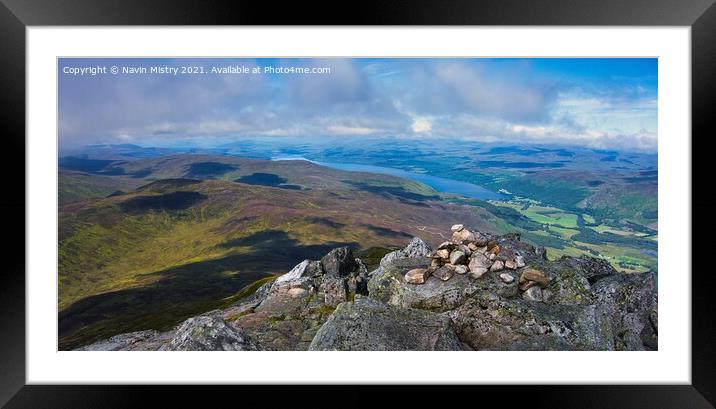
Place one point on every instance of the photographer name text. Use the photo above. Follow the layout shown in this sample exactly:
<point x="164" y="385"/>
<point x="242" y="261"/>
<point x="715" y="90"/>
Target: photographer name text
<point x="100" y="70"/>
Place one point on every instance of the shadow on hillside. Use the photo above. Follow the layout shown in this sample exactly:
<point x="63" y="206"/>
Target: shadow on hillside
<point x="172" y="201"/>
<point x="385" y="232"/>
<point x="183" y="291"/>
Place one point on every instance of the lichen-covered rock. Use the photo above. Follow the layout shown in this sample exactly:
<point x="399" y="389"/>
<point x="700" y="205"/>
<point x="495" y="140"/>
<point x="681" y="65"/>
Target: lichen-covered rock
<point x="433" y="295"/>
<point x="121" y="342"/>
<point x="568" y="287"/>
<point x="208" y="333"/>
<point x="591" y="268"/>
<point x="489" y="322"/>
<point x="533" y="294"/>
<point x="629" y="300"/>
<point x="369" y="325"/>
<point x="334" y="291"/>
<point x="417" y="248"/>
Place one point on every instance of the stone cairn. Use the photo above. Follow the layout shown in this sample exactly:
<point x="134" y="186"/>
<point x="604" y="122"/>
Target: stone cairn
<point x="471" y="253"/>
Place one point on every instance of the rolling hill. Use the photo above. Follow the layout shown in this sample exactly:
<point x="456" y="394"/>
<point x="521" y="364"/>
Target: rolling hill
<point x="201" y="228"/>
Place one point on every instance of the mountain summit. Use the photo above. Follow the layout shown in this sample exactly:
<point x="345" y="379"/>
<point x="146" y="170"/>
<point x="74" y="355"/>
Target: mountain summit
<point x="477" y="291"/>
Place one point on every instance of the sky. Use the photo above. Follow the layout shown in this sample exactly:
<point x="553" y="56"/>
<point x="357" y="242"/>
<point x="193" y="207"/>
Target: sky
<point x="594" y="103"/>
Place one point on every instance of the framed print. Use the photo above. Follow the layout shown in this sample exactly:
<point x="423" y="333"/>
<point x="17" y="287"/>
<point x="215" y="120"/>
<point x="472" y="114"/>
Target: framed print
<point x="453" y="197"/>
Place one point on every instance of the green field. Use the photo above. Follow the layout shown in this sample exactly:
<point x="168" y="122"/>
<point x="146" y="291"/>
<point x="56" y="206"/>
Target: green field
<point x="560" y="234"/>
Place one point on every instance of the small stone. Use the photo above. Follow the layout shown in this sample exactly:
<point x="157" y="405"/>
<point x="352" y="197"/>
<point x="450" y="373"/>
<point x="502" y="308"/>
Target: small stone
<point x="479" y="260"/>
<point x="477" y="272"/>
<point x="461" y="269"/>
<point x="465" y="249"/>
<point x="445" y="272"/>
<point x="461" y="236"/>
<point x="497" y="266"/>
<point x="457" y="227"/>
<point x="532" y="274"/>
<point x="472" y="247"/>
<point x="434" y="264"/>
<point x="417" y="276"/>
<point x="492" y="256"/>
<point x="457" y="257"/>
<point x="445" y="245"/>
<point x="479" y="239"/>
<point x="507" y="278"/>
<point x="443" y="254"/>
<point x="495" y="249"/>
<point x="533" y="294"/>
<point x="482" y="249"/>
<point x="520" y="261"/>
<point x="511" y="264"/>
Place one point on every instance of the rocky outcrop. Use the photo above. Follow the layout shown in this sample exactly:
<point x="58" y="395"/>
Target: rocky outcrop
<point x="207" y="333"/>
<point x="124" y="342"/>
<point x="369" y="325"/>
<point x="477" y="291"/>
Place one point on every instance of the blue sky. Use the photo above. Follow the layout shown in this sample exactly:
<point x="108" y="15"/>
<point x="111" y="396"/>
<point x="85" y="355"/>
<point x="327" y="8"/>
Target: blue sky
<point x="597" y="103"/>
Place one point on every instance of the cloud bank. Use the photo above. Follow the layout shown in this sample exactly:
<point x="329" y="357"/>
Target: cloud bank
<point x="590" y="103"/>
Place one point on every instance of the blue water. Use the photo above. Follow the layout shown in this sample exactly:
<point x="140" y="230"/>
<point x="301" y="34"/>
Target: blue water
<point x="442" y="185"/>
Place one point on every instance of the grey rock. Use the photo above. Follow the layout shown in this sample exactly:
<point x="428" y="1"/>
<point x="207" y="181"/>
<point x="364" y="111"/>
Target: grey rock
<point x="498" y="265"/>
<point x="433" y="295"/>
<point x="457" y="257"/>
<point x="461" y="269"/>
<point x="445" y="272"/>
<point x="417" y="248"/>
<point x="334" y="291"/>
<point x="121" y="342"/>
<point x="339" y="262"/>
<point x="301" y="274"/>
<point x="208" y="333"/>
<point x="369" y="325"/>
<point x="457" y="227"/>
<point x="486" y="322"/>
<point x="629" y="302"/>
<point x="479" y="264"/>
<point x="507" y="278"/>
<point x="533" y="294"/>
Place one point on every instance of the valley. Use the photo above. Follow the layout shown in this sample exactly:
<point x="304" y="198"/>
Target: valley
<point x="151" y="236"/>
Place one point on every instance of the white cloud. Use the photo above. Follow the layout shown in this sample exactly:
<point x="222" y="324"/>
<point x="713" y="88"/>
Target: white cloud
<point x="421" y="125"/>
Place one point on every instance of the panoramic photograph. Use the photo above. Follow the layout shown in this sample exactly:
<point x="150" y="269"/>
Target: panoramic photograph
<point x="372" y="204"/>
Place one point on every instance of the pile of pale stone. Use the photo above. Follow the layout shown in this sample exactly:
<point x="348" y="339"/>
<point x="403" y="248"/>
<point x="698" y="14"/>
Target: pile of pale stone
<point x="470" y="252"/>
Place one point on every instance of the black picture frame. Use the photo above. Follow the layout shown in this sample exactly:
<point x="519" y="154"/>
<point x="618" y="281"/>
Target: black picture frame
<point x="16" y="15"/>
